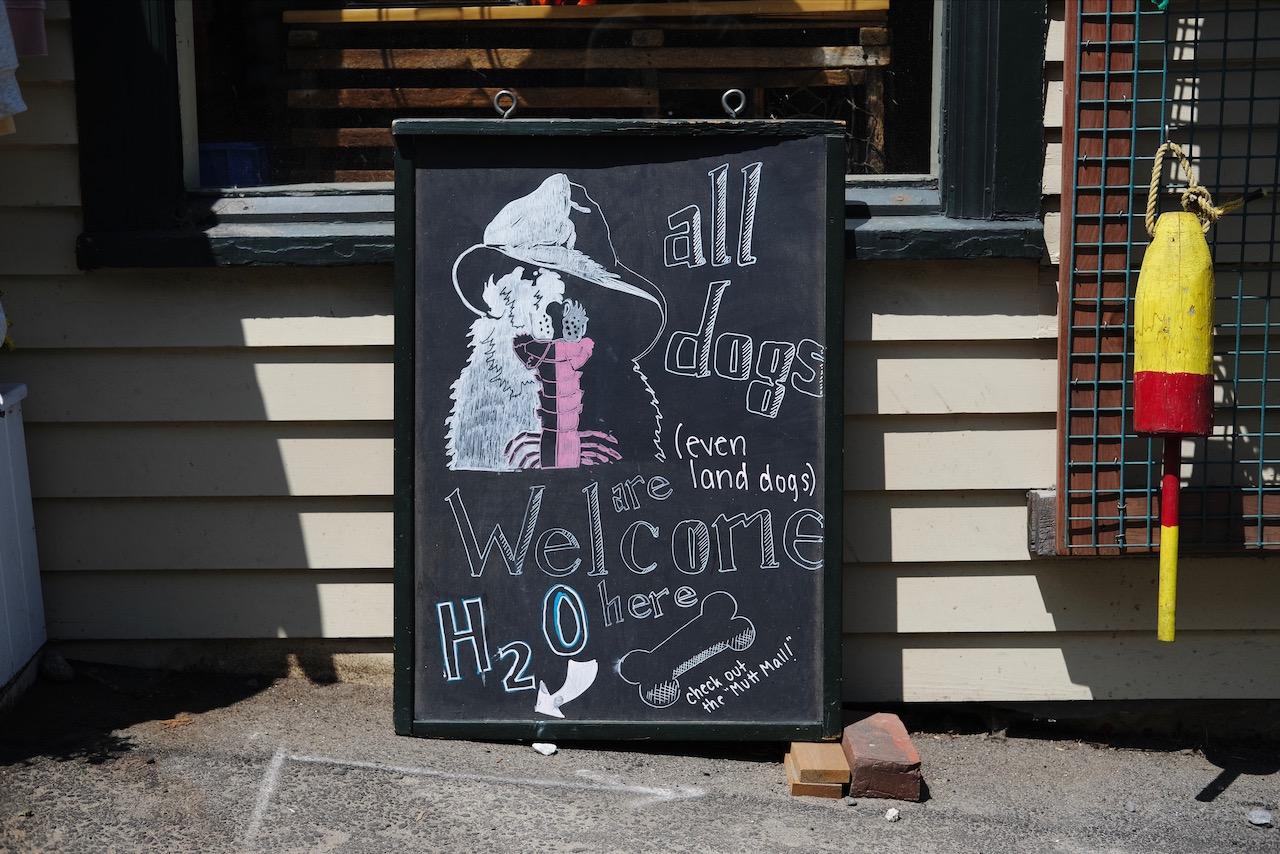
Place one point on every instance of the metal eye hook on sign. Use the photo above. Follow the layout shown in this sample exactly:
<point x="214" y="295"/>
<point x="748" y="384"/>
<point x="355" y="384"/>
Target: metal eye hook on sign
<point x="505" y="95"/>
<point x="741" y="98"/>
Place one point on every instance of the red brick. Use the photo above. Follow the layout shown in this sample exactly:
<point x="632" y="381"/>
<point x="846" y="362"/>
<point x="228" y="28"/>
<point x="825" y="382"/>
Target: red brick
<point x="883" y="763"/>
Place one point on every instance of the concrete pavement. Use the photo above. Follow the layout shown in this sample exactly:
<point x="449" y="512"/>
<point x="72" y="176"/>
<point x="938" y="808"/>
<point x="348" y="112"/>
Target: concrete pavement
<point x="122" y="760"/>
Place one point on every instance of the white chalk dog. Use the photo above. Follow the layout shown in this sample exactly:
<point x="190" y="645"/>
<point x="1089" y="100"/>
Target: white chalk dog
<point x="509" y="282"/>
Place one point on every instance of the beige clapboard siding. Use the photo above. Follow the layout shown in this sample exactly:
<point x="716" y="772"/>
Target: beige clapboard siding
<point x="40" y="177"/>
<point x="37" y="240"/>
<point x="1090" y="595"/>
<point x="979" y="300"/>
<point x="1061" y="666"/>
<point x="1105" y="598"/>
<point x="203" y="308"/>
<point x="1055" y="33"/>
<point x="282" y="384"/>
<point x="915" y="378"/>
<point x="949" y="452"/>
<point x="218" y="605"/>
<point x="352" y="532"/>
<point x="1052" y="179"/>
<point x="1053" y="97"/>
<point x="209" y="460"/>
<point x="58" y="65"/>
<point x="1054" y="117"/>
<point x="351" y="306"/>
<point x="910" y="527"/>
<point x="1107" y="601"/>
<point x="920" y="668"/>
<point x="142" y="460"/>
<point x="1053" y="230"/>
<point x="354" y="384"/>
<point x="209" y="533"/>
<point x="50" y="118"/>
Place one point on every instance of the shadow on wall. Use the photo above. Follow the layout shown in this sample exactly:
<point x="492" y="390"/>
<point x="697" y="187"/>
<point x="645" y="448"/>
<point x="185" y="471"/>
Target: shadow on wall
<point x="938" y="584"/>
<point x="210" y="458"/>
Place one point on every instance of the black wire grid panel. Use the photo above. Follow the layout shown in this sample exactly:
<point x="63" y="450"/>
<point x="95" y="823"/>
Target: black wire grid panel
<point x="1207" y="76"/>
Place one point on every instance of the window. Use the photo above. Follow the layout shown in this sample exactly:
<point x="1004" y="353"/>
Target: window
<point x="261" y="105"/>
<point x="294" y="92"/>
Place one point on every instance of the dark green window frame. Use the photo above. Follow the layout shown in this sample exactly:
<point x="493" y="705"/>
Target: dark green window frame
<point x="139" y="213"/>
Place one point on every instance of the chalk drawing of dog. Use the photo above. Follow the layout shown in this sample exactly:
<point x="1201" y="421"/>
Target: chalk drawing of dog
<point x="495" y="398"/>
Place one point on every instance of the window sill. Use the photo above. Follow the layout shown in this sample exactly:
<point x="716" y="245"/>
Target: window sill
<point x="907" y="223"/>
<point x="934" y="237"/>
<point x="267" y="243"/>
<point x="324" y="226"/>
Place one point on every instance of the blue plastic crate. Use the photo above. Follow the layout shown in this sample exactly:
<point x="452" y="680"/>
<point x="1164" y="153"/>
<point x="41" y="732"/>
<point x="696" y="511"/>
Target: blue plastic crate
<point x="233" y="164"/>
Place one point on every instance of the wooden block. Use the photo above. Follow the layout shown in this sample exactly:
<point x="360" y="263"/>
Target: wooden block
<point x="817" y="762"/>
<point x="813" y="790"/>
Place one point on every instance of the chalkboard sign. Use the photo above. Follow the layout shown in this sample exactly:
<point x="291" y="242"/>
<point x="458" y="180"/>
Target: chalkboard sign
<point x="618" y="428"/>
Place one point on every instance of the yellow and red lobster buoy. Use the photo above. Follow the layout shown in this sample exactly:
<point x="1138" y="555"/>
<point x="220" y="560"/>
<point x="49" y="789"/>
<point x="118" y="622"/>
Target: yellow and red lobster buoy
<point x="1173" y="353"/>
<point x="1173" y="332"/>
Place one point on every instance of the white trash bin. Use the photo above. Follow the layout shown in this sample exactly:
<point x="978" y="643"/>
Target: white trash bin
<point x="22" y="631"/>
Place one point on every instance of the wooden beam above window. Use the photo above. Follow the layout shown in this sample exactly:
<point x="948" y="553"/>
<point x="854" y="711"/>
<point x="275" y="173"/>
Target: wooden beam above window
<point x="574" y="58"/>
<point x="444" y="14"/>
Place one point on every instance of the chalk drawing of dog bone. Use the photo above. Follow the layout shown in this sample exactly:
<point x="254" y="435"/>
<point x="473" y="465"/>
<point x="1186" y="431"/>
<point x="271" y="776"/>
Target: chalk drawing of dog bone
<point x="657" y="671"/>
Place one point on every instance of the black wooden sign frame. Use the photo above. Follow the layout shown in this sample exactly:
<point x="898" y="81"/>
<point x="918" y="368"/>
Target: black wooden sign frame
<point x="419" y="143"/>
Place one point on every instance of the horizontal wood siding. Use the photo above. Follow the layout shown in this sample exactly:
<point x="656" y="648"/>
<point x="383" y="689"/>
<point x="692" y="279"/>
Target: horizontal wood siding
<point x="1062" y="666"/>
<point x="50" y="119"/>
<point x="183" y="459"/>
<point x="970" y="301"/>
<point x="973" y="452"/>
<point x="232" y="384"/>
<point x="245" y="604"/>
<point x="40" y="178"/>
<point x="214" y="533"/>
<point x="211" y="450"/>
<point x="984" y="597"/>
<point x="250" y="307"/>
<point x="1054" y="116"/>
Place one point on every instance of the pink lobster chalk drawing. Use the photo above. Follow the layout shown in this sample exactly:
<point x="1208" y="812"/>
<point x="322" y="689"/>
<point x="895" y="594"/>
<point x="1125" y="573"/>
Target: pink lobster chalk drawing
<point x="518" y="402"/>
<point x="558" y="367"/>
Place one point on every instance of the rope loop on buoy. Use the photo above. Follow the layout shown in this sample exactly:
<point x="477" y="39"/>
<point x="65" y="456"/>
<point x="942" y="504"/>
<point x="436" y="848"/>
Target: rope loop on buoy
<point x="1195" y="196"/>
